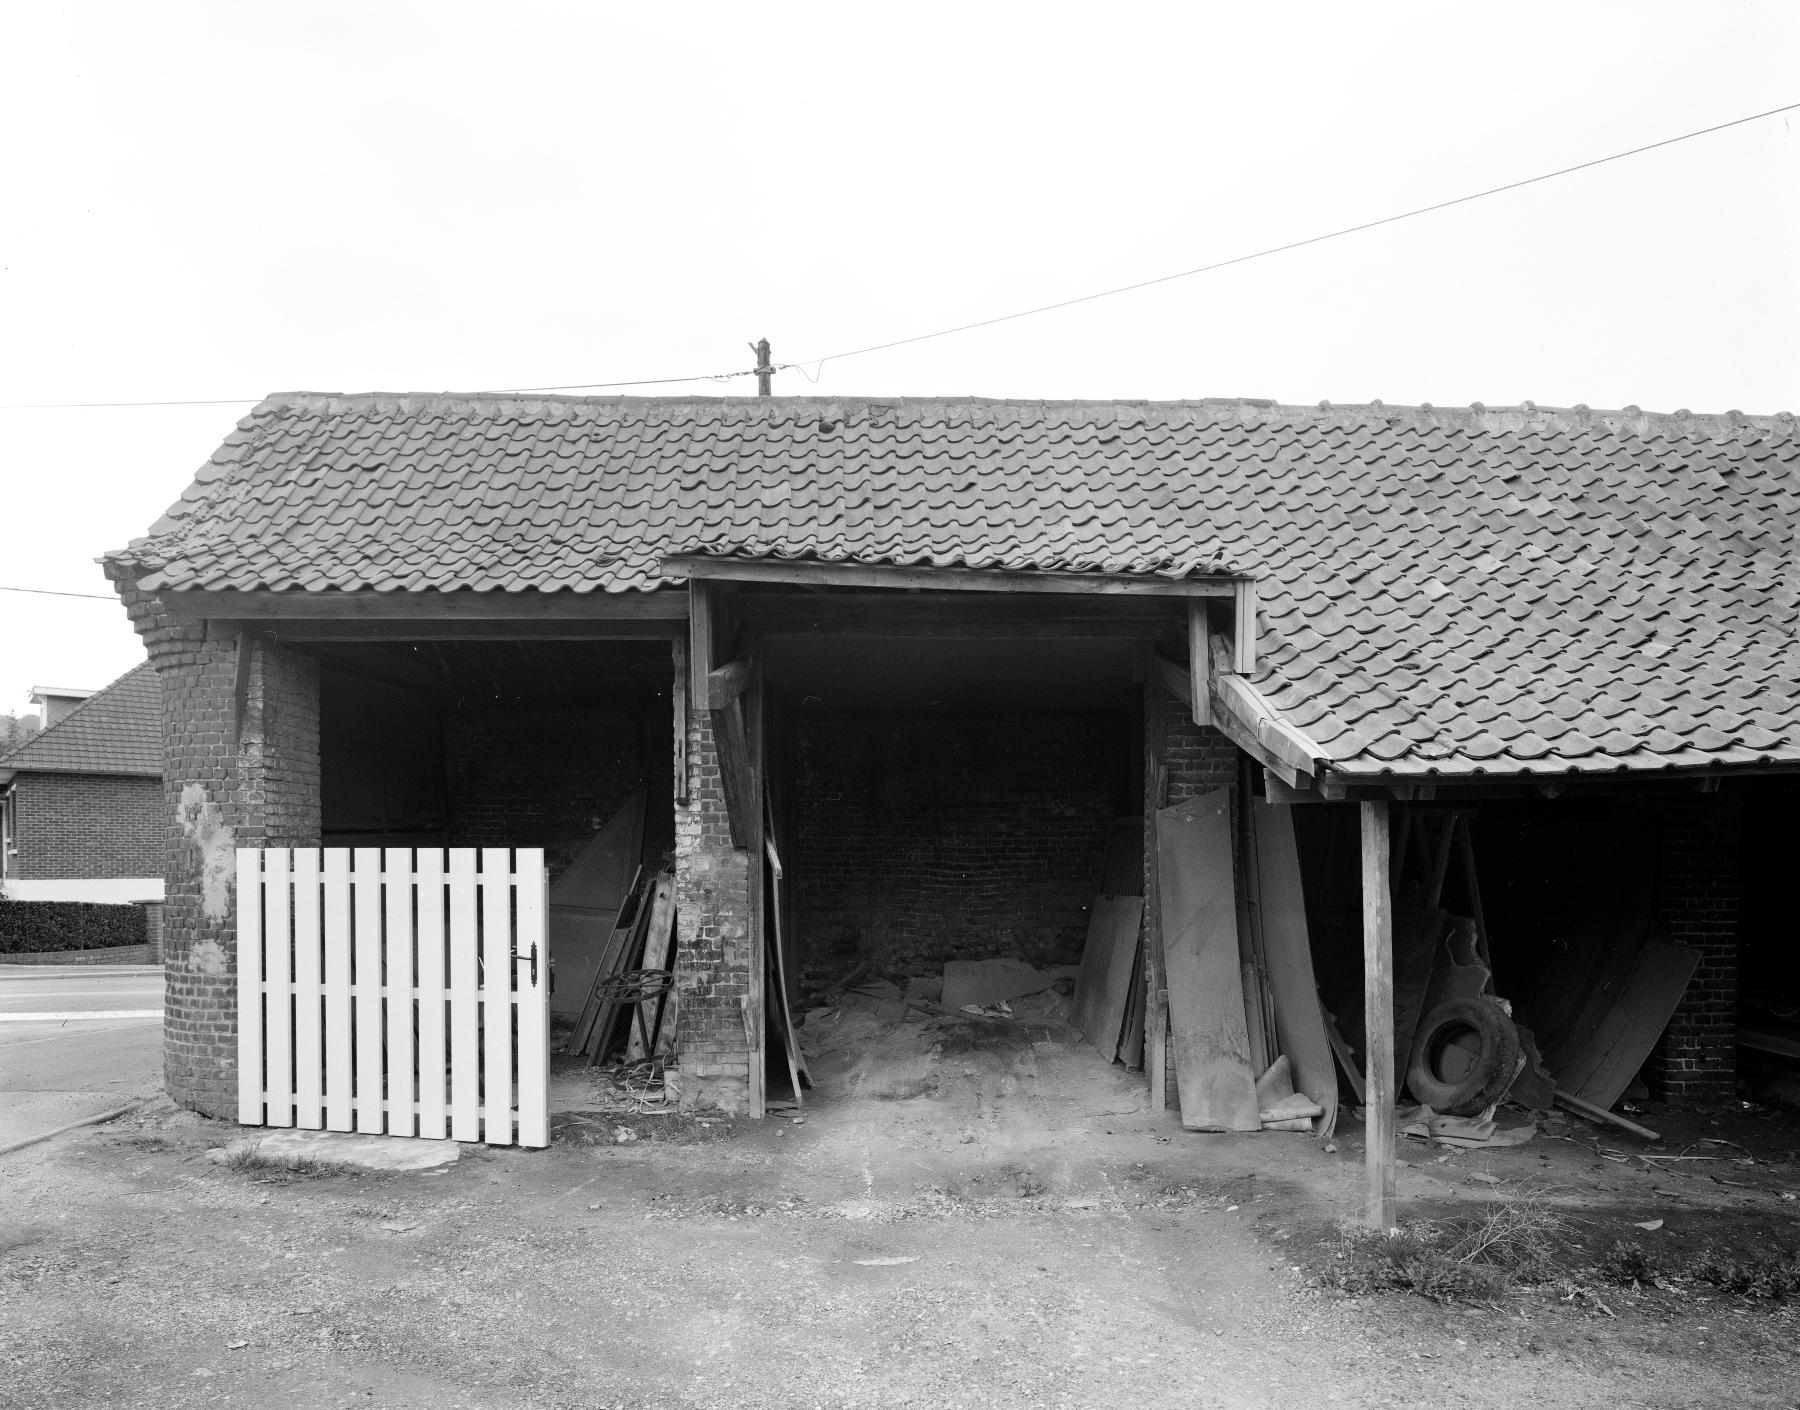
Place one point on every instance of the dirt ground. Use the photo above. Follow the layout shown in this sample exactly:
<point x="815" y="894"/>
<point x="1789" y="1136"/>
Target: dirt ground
<point x="967" y="1215"/>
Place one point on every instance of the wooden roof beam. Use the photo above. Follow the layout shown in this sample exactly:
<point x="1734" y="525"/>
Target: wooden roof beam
<point x="794" y="572"/>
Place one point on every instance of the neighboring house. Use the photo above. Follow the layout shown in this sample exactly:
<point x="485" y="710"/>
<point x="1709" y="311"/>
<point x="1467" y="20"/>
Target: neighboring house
<point x="935" y="650"/>
<point x="81" y="804"/>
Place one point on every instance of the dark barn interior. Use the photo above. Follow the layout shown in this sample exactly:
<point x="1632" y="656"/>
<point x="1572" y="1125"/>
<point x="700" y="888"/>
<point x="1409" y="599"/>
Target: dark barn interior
<point x="494" y="743"/>
<point x="948" y="799"/>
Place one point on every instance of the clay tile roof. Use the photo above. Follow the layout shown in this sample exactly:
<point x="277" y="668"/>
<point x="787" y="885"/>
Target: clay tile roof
<point x="114" y="731"/>
<point x="1444" y="591"/>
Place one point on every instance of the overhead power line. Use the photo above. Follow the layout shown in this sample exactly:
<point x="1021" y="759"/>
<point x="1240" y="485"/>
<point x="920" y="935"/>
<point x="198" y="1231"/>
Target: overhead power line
<point x="818" y="363"/>
<point x="51" y="592"/>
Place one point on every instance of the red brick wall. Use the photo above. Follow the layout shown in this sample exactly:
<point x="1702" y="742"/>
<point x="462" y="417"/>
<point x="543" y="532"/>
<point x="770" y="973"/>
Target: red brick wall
<point x="224" y="787"/>
<point x="713" y="961"/>
<point x="1698" y="896"/>
<point x="88" y="825"/>
<point x="920" y="838"/>
<point x="552" y="778"/>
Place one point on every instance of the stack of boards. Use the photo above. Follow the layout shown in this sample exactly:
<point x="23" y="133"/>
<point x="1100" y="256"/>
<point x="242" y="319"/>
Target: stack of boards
<point x="642" y="937"/>
<point x="1242" y="999"/>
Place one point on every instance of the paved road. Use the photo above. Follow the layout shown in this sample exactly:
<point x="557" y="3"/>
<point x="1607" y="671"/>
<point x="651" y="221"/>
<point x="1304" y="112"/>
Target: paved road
<point x="75" y="1041"/>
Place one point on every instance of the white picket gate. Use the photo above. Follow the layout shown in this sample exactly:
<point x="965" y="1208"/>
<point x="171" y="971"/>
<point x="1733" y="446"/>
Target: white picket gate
<point x="398" y="991"/>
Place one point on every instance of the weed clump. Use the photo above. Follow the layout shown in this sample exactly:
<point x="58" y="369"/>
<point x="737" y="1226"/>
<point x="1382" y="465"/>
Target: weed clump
<point x="1475" y="1258"/>
<point x="1629" y="1264"/>
<point x="1775" y="1278"/>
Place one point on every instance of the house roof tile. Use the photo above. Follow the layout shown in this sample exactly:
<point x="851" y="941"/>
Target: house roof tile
<point x="1614" y="585"/>
<point x="114" y="731"/>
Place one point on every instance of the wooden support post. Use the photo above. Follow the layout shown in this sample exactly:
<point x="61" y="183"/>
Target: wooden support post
<point x="1156" y="984"/>
<point x="1199" y="662"/>
<point x="1440" y="865"/>
<point x="704" y="627"/>
<point x="1378" y="1011"/>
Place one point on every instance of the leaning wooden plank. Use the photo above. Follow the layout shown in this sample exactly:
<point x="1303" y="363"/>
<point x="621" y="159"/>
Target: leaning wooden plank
<point x="1341" y="1051"/>
<point x="1418" y="935"/>
<point x="1200" y="949"/>
<point x="656" y="954"/>
<point x="1103" y="986"/>
<point x="1601" y="1114"/>
<point x="1605" y="1066"/>
<point x="608" y="963"/>
<point x="1287" y="954"/>
<point x="796" y="1058"/>
<point x="1131" y="1041"/>
<point x="585" y="900"/>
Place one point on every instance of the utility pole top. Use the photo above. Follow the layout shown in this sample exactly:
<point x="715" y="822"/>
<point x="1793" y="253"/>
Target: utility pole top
<point x="765" y="371"/>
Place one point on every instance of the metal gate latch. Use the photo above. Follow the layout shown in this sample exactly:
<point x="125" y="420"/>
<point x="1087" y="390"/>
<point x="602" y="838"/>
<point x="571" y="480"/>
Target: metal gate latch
<point x="534" y="960"/>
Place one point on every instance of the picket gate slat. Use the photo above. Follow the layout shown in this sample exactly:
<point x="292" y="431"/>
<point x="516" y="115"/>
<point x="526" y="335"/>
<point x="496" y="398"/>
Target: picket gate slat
<point x="465" y="1000"/>
<point x="496" y="996"/>
<point x="401" y="1069"/>
<point x="250" y="1003"/>
<point x="339" y="1056"/>
<point x="366" y="976"/>
<point x="531" y="980"/>
<point x="434" y="1094"/>
<point x="396" y="991"/>
<point x="278" y="986"/>
<point x="309" y="1076"/>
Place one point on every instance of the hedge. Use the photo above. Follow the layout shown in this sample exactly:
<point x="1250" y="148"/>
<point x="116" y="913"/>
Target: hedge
<point x="39" y="927"/>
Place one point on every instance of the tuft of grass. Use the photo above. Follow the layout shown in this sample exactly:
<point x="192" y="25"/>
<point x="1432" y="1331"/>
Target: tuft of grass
<point x="247" y="1160"/>
<point x="1473" y="1258"/>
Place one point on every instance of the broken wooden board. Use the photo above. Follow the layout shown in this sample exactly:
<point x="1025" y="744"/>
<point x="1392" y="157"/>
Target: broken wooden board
<point x="1602" y="1068"/>
<point x="1418" y="932"/>
<point x="1287" y="955"/>
<point x="1200" y="948"/>
<point x="1458" y="971"/>
<point x="1341" y="1051"/>
<point x="1103" y="988"/>
<point x="984" y="982"/>
<point x="1534" y="1087"/>
<point x="656" y="955"/>
<point x="584" y="901"/>
<point x="1131" y="1042"/>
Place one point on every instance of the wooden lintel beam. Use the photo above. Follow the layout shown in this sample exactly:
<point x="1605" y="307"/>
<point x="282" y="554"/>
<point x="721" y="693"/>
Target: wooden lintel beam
<point x="881" y="575"/>
<point x="262" y="605"/>
<point x="292" y="630"/>
<point x="1236" y="698"/>
<point x="1234" y="729"/>
<point x="725" y="683"/>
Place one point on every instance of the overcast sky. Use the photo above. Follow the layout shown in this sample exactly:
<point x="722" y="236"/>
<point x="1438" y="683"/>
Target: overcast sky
<point x="203" y="201"/>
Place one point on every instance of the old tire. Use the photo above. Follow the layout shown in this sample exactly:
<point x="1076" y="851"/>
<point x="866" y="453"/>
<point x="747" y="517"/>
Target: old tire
<point x="1464" y="1057"/>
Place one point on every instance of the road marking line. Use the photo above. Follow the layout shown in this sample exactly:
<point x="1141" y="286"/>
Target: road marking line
<point x="74" y="1016"/>
<point x="79" y="1033"/>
